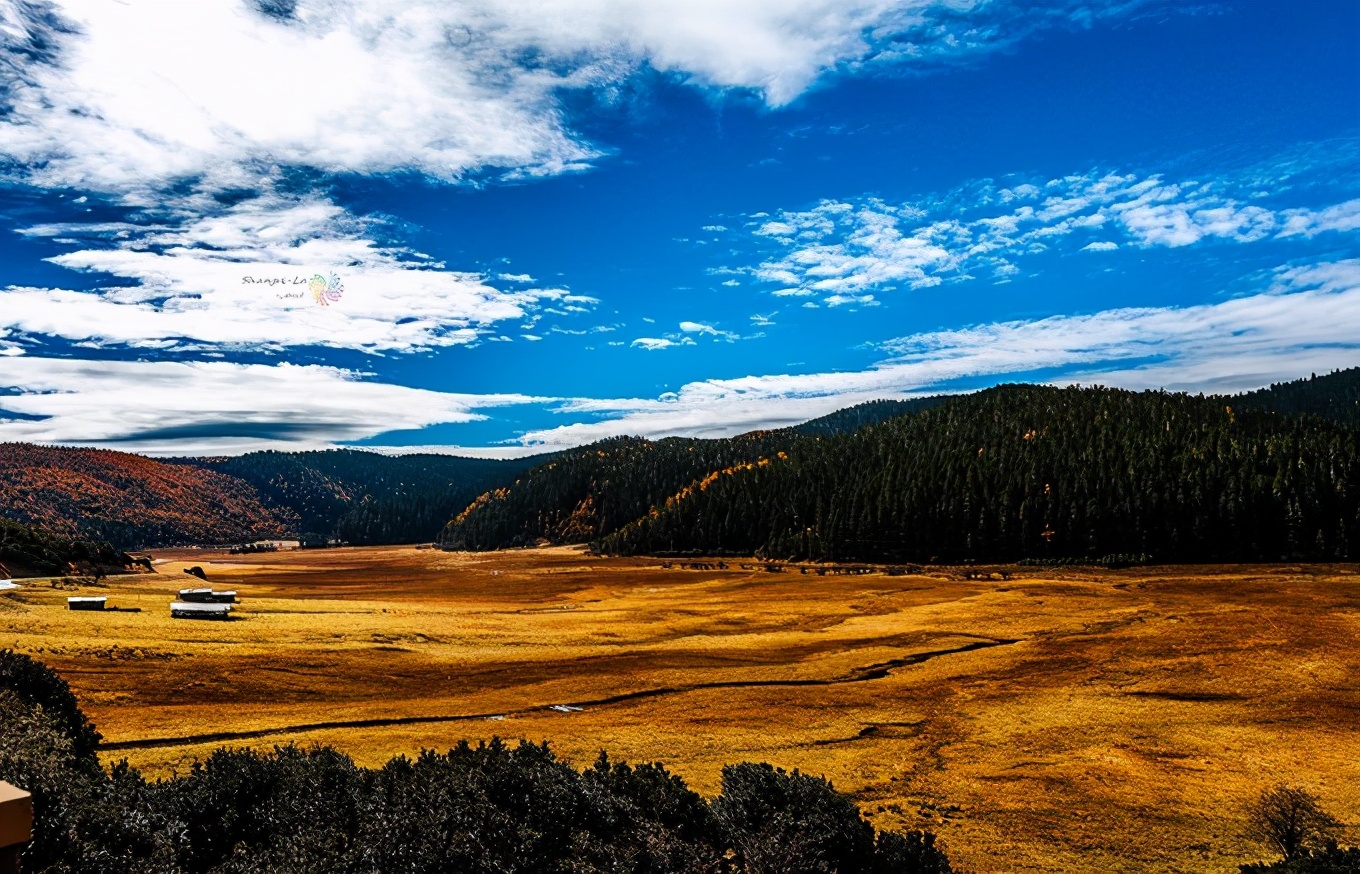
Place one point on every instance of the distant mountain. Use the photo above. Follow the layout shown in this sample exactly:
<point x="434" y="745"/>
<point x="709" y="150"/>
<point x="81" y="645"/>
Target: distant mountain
<point x="859" y="482"/>
<point x="129" y="500"/>
<point x="364" y="497"/>
<point x="1335" y="396"/>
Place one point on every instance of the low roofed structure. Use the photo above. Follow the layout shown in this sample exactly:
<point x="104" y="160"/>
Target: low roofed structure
<point x="199" y="610"/>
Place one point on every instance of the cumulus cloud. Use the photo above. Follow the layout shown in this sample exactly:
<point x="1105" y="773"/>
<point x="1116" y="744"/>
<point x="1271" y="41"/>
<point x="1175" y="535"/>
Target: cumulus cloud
<point x="213" y="407"/>
<point x="111" y="96"/>
<point x="1304" y="321"/>
<point x="133" y="97"/>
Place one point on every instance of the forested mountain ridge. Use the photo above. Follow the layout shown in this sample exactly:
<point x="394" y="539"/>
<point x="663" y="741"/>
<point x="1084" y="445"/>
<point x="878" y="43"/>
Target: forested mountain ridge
<point x="129" y="500"/>
<point x="559" y="502"/>
<point x="1030" y="471"/>
<point x="364" y="497"/>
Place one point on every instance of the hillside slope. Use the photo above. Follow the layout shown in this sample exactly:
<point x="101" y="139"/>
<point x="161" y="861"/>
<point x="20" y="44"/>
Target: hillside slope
<point x="590" y="493"/>
<point x="363" y="497"/>
<point x="129" y="500"/>
<point x="1031" y="471"/>
<point x="25" y="551"/>
<point x="851" y="419"/>
<point x="586" y="493"/>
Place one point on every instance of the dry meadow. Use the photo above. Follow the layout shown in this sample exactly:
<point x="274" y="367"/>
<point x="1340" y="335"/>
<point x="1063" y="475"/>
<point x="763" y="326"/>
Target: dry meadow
<point x="1059" y="720"/>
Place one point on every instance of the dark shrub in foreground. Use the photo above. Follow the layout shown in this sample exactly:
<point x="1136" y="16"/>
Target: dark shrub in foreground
<point x="1331" y="860"/>
<point x="490" y="809"/>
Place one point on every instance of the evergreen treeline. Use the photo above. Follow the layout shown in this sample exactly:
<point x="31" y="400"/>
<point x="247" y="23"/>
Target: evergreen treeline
<point x="853" y="418"/>
<point x="489" y="809"/>
<point x="363" y="497"/>
<point x="585" y="493"/>
<point x="1335" y="396"/>
<point x="1029" y="471"/>
<point x="25" y="550"/>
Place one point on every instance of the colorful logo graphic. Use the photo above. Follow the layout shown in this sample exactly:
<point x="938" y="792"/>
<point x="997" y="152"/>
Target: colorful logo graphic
<point x="325" y="290"/>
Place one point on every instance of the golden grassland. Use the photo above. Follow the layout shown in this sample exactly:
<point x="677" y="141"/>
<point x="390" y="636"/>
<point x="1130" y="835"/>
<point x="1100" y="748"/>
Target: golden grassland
<point x="1061" y="720"/>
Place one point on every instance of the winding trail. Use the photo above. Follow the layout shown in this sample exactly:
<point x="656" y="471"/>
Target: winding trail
<point x="864" y="674"/>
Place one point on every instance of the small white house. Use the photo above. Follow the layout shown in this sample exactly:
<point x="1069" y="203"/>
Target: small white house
<point x="199" y="610"/>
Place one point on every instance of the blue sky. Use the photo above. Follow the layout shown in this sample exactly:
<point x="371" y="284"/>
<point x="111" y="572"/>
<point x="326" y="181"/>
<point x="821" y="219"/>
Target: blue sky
<point x="536" y="224"/>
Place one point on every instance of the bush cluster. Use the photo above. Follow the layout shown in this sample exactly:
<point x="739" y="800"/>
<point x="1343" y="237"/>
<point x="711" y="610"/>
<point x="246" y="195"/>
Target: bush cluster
<point x="494" y="807"/>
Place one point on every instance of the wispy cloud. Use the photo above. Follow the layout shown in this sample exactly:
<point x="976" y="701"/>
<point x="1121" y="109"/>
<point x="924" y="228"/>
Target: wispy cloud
<point x="239" y="276"/>
<point x="707" y="330"/>
<point x="685" y="336"/>
<point x="656" y="344"/>
<point x="1304" y="321"/>
<point x="213" y="407"/>
<point x="842" y="251"/>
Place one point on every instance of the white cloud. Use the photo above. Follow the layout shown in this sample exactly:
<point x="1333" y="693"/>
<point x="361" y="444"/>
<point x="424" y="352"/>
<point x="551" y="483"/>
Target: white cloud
<point x="142" y="93"/>
<point x="496" y="452"/>
<point x="1304" y="322"/>
<point x="214" y="407"/>
<point x="239" y="277"/>
<point x="684" y="336"/>
<point x="1342" y="217"/>
<point x="839" y="250"/>
<point x="112" y="96"/>
<point x="701" y="328"/>
<point x="164" y="105"/>
<point x="655" y="344"/>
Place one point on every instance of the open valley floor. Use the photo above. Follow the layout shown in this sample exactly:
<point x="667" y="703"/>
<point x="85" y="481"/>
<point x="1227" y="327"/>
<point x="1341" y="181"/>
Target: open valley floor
<point x="1071" y="719"/>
